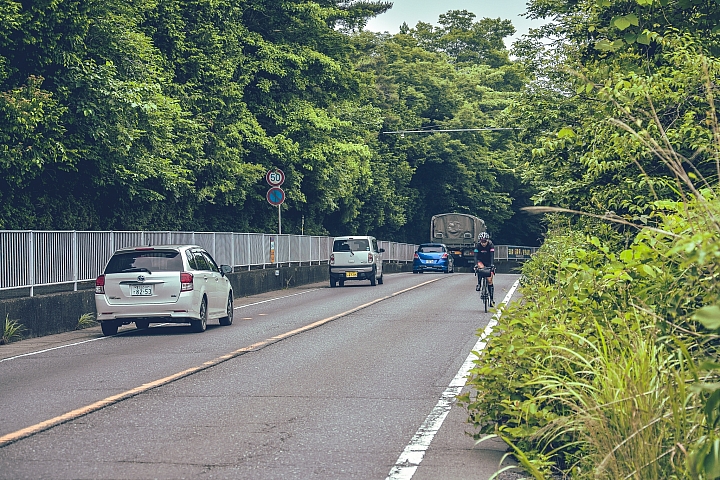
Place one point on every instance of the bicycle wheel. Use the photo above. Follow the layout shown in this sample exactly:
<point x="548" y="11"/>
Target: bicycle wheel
<point x="484" y="295"/>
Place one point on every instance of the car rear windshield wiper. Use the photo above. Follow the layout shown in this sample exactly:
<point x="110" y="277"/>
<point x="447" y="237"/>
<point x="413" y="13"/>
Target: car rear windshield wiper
<point x="137" y="269"/>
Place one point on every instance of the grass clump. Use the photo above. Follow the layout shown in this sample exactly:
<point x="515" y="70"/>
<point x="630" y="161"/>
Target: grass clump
<point x="86" y="320"/>
<point x="11" y="331"/>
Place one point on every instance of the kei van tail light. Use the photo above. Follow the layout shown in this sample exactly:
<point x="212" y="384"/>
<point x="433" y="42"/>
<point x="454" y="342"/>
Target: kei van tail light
<point x="416" y="256"/>
<point x="100" y="285"/>
<point x="370" y="258"/>
<point x="444" y="255"/>
<point x="186" y="282"/>
<point x="332" y="259"/>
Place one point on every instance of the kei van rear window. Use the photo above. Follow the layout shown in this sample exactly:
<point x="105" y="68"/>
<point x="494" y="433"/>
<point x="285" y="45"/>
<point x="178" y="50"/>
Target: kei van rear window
<point x="351" y="245"/>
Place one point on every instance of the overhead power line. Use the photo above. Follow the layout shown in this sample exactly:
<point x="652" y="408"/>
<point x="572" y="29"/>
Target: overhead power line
<point x="451" y="130"/>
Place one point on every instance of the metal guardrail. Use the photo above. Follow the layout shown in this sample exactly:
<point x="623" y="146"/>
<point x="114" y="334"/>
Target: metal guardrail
<point x="514" y="252"/>
<point x="30" y="259"/>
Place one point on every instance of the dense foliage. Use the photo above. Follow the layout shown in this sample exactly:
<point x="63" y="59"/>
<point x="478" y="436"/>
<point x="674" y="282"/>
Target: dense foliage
<point x="607" y="368"/>
<point x="166" y="114"/>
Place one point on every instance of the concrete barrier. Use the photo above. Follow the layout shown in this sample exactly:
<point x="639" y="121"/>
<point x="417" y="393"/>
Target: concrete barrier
<point x="53" y="313"/>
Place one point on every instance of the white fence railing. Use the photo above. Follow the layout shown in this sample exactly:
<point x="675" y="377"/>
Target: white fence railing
<point x="514" y="252"/>
<point x="30" y="259"/>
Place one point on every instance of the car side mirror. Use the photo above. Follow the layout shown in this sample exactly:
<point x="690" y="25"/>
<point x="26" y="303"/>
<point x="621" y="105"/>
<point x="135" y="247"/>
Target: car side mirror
<point x="225" y="269"/>
<point x="381" y="250"/>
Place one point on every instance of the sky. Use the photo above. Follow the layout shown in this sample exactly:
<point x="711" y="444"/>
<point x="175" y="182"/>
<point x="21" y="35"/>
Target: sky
<point x="428" y="11"/>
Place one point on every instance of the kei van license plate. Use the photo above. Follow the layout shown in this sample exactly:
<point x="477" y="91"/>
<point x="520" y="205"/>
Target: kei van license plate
<point x="350" y="274"/>
<point x="141" y="290"/>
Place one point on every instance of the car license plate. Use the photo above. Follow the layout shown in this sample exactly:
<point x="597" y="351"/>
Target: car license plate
<point x="350" y="274"/>
<point x="141" y="290"/>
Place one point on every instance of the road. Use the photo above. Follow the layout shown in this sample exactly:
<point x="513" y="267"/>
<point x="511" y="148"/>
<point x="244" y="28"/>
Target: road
<point x="310" y="382"/>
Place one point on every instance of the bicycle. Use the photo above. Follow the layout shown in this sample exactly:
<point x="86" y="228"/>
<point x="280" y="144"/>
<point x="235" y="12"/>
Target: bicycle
<point x="484" y="273"/>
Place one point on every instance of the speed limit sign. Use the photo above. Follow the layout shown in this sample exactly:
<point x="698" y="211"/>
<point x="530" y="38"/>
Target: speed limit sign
<point x="275" y="178"/>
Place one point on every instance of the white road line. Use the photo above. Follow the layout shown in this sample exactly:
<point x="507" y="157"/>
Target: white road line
<point x="273" y="299"/>
<point x="159" y="325"/>
<point x="79" y="412"/>
<point x="410" y="458"/>
<point x="50" y="349"/>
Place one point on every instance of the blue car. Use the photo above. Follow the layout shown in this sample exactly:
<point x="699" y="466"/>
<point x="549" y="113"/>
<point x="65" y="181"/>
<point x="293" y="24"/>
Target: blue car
<point x="433" y="256"/>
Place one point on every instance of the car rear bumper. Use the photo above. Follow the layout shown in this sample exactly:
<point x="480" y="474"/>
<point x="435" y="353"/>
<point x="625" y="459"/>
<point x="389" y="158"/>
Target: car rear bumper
<point x="363" y="273"/>
<point x="422" y="266"/>
<point x="181" y="311"/>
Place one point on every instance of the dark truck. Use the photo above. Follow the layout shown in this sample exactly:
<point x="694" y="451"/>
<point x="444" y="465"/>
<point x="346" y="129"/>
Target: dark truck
<point x="459" y="232"/>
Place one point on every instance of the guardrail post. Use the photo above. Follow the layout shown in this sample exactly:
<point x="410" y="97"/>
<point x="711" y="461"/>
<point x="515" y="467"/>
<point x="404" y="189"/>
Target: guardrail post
<point x="31" y="252"/>
<point x="75" y="260"/>
<point x="247" y="252"/>
<point x="232" y="249"/>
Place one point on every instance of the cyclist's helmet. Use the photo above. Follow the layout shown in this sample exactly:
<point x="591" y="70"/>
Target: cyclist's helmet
<point x="484" y="236"/>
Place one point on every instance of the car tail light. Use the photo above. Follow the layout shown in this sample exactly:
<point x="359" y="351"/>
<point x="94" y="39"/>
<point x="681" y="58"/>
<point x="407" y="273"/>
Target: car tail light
<point x="186" y="281"/>
<point x="370" y="258"/>
<point x="444" y="255"/>
<point x="100" y="284"/>
<point x="416" y="256"/>
<point x="332" y="259"/>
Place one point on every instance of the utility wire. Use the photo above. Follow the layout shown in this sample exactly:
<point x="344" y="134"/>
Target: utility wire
<point x="451" y="130"/>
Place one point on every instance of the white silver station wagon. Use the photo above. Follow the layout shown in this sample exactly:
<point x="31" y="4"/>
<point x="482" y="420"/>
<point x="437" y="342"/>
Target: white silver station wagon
<point x="163" y="284"/>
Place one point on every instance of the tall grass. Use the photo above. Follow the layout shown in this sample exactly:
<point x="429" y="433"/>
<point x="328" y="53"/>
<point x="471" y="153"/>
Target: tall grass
<point x="607" y="368"/>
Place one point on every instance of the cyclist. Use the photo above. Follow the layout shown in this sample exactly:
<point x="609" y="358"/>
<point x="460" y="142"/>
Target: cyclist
<point x="485" y="257"/>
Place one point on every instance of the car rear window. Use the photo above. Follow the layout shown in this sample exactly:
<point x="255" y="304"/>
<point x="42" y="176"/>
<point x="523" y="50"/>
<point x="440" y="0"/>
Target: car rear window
<point x="351" y="245"/>
<point x="431" y="249"/>
<point x="167" y="261"/>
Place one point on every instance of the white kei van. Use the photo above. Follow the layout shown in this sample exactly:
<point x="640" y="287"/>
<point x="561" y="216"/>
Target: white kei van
<point x="356" y="258"/>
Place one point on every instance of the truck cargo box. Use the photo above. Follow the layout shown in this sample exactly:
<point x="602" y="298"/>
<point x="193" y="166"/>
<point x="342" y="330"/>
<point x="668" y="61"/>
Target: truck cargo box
<point x="458" y="231"/>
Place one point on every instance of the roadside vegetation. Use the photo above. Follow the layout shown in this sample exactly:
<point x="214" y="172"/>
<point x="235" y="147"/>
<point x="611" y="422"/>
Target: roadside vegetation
<point x="608" y="366"/>
<point x="11" y="331"/>
<point x="86" y="320"/>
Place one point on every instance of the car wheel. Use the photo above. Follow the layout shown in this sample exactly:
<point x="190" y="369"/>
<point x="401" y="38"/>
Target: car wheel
<point x="341" y="283"/>
<point x="109" y="328"/>
<point x="373" y="280"/>
<point x="142" y="324"/>
<point x="380" y="280"/>
<point x="200" y="325"/>
<point x="415" y="271"/>
<point x="333" y="283"/>
<point x="227" y="320"/>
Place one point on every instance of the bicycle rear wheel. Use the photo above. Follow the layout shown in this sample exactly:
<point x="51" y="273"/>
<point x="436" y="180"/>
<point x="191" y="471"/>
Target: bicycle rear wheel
<point x="484" y="294"/>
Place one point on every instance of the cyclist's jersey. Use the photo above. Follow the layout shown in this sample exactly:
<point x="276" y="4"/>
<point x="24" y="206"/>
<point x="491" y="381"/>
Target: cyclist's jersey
<point x="485" y="254"/>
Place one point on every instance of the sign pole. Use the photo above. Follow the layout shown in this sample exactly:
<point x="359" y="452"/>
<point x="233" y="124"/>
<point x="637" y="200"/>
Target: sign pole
<point x="276" y="195"/>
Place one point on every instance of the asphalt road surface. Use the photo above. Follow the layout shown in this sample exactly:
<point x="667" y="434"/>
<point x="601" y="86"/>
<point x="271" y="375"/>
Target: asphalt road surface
<point x="355" y="382"/>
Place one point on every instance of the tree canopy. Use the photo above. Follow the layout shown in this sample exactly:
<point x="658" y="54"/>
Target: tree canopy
<point x="166" y="114"/>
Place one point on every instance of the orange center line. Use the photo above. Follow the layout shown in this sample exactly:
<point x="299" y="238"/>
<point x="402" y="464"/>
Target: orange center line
<point x="113" y="399"/>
